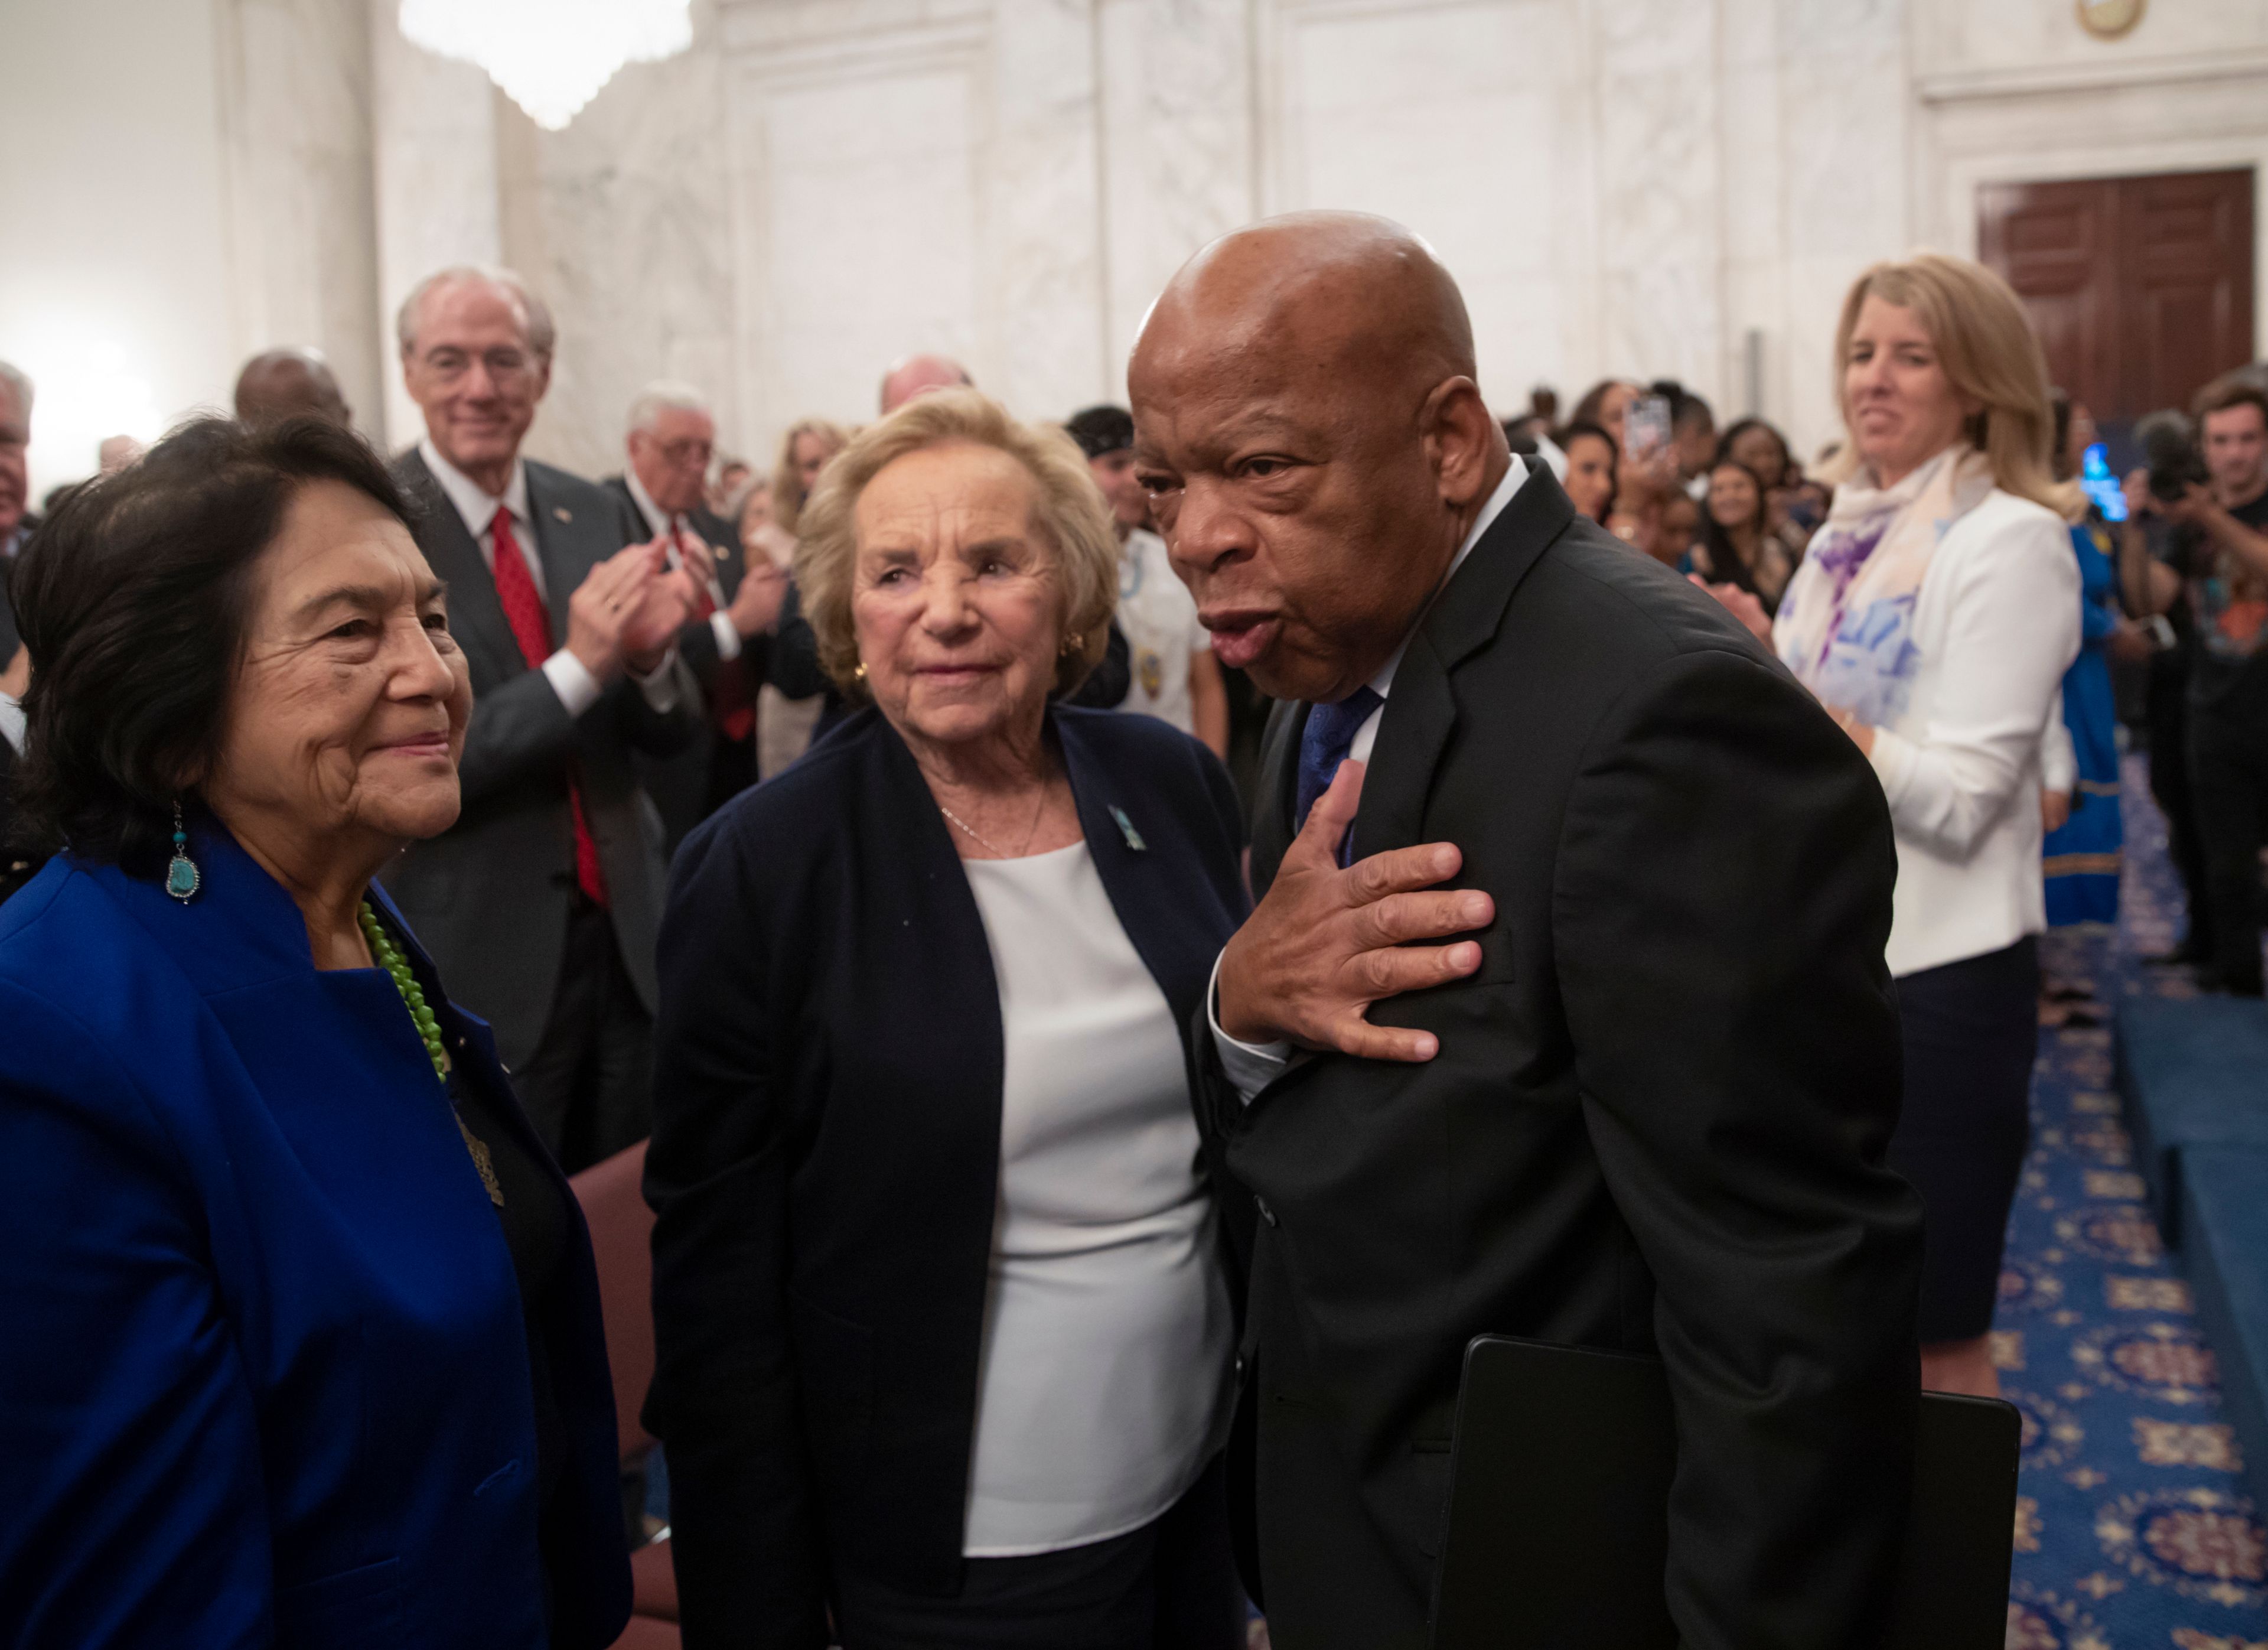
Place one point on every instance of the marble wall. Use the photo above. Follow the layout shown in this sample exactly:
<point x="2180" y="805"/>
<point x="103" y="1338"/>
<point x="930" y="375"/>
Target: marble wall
<point x="818" y="187"/>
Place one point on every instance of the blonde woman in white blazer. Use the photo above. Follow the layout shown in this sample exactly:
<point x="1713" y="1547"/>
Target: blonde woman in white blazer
<point x="1933" y="616"/>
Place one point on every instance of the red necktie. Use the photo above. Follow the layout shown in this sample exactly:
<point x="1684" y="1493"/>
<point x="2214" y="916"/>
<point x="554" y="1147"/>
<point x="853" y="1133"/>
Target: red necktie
<point x="531" y="628"/>
<point x="728" y="697"/>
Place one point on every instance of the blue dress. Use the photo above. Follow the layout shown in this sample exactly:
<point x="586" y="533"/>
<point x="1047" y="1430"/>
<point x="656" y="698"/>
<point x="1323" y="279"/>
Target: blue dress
<point x="2083" y="858"/>
<point x="265" y="1378"/>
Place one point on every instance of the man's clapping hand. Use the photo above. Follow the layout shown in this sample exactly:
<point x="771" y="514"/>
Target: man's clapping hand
<point x="1326" y="943"/>
<point x="628" y="610"/>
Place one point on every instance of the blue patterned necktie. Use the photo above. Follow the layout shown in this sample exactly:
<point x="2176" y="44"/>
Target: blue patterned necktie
<point x="1323" y="746"/>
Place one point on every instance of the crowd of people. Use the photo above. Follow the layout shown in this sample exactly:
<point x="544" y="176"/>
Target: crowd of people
<point x="1125" y="939"/>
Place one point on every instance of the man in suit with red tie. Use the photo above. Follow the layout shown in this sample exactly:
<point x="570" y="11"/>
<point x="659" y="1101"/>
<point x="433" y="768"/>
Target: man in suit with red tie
<point x="672" y="437"/>
<point x="542" y="903"/>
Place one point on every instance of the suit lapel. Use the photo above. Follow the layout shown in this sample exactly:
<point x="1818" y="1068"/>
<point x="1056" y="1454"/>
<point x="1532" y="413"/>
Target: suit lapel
<point x="553" y="524"/>
<point x="1421" y="711"/>
<point x="1271" y="825"/>
<point x="476" y="616"/>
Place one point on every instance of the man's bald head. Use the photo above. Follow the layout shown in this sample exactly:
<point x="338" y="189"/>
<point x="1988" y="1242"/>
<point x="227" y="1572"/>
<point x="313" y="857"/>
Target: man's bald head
<point x="1331" y="292"/>
<point x="1307" y="422"/>
<point x="280" y="383"/>
<point x="917" y="375"/>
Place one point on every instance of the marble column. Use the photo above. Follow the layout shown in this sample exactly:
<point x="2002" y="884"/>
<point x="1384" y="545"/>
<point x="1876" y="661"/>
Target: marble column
<point x="296" y="131"/>
<point x="434" y="166"/>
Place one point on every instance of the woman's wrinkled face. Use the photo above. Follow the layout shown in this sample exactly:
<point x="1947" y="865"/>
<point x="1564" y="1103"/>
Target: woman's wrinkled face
<point x="349" y="711"/>
<point x="1903" y="408"/>
<point x="1734" y="501"/>
<point x="954" y="597"/>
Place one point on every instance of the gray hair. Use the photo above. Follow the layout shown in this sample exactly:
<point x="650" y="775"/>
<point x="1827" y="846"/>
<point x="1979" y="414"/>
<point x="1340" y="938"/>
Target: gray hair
<point x="665" y="394"/>
<point x="535" y="318"/>
<point x="20" y="385"/>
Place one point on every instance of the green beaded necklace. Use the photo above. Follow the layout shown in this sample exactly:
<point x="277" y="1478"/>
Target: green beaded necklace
<point x="429" y="1032"/>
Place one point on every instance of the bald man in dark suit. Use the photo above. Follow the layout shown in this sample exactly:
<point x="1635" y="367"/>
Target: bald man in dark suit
<point x="1563" y="1012"/>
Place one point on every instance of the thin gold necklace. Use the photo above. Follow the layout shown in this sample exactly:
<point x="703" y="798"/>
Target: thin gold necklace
<point x="992" y="848"/>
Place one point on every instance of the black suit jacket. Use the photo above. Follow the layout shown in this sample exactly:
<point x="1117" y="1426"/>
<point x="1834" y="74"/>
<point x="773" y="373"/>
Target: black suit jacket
<point x="680" y="785"/>
<point x="1656" y="1122"/>
<point x="490" y="896"/>
<point x="826" y="1151"/>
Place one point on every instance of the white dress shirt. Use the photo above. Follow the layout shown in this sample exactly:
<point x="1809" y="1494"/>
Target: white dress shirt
<point x="569" y="677"/>
<point x="1103" y="1380"/>
<point x="1252" y="1066"/>
<point x="659" y="521"/>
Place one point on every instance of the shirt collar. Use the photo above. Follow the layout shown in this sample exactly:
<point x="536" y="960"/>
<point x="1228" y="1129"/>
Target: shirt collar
<point x="474" y="502"/>
<point x="656" y="516"/>
<point x="1383" y="683"/>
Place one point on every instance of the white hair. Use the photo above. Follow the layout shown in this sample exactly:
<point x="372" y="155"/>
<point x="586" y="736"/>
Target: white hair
<point x="534" y="318"/>
<point x="20" y="385"/>
<point x="665" y="394"/>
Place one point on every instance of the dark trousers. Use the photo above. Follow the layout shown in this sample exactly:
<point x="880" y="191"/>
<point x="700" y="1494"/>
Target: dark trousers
<point x="1169" y="1585"/>
<point x="2167" y="718"/>
<point x="589" y="1087"/>
<point x="1969" y="1030"/>
<point x="2228" y="779"/>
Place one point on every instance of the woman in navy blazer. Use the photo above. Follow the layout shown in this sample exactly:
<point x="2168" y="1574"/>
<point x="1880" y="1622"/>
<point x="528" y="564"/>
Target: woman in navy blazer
<point x="945" y="1275"/>
<point x="302" y="1342"/>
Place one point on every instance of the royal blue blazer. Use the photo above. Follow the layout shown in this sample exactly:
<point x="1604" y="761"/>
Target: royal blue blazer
<point x="263" y="1370"/>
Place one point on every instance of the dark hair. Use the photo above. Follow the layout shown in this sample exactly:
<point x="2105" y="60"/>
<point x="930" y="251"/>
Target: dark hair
<point x="1574" y="431"/>
<point x="1740" y="427"/>
<point x="133" y="599"/>
<point x="2225" y="393"/>
<point x="1101" y="429"/>
<point x="1725" y="564"/>
<point x="1594" y="404"/>
<point x="1684" y="406"/>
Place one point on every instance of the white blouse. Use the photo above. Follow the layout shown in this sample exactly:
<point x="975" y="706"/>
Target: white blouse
<point x="1996" y="624"/>
<point x="1107" y="1334"/>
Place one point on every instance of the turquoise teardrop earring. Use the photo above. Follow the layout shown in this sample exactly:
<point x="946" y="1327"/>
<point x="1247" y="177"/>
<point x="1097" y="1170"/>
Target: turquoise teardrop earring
<point x="181" y="879"/>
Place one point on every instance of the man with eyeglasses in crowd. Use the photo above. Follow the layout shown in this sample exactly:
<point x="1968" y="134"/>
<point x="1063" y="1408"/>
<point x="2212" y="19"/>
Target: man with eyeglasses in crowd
<point x="542" y="903"/>
<point x="673" y="435"/>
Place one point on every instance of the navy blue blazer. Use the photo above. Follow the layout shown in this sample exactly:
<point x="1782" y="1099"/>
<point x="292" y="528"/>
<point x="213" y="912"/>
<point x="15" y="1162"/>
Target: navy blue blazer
<point x="264" y="1376"/>
<point x="825" y="1151"/>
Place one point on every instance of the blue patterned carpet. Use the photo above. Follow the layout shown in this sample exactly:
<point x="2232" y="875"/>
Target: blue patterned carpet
<point x="2133" y="1529"/>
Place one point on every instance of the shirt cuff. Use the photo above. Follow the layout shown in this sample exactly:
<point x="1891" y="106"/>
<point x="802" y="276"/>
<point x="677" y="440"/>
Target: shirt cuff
<point x="1250" y="1066"/>
<point x="572" y="680"/>
<point x="728" y="639"/>
<point x="661" y="688"/>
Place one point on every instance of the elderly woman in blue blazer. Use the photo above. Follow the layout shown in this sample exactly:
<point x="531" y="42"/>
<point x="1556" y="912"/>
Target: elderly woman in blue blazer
<point x="302" y="1340"/>
<point x="945" y="1272"/>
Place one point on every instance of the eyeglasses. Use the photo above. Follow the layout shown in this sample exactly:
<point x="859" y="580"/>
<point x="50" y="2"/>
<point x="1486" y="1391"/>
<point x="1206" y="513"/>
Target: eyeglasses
<point x="687" y="450"/>
<point x="507" y="368"/>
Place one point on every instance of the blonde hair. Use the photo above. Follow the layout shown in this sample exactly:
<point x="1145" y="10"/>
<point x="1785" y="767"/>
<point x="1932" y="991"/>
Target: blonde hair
<point x="787" y="474"/>
<point x="1991" y="355"/>
<point x="1068" y="514"/>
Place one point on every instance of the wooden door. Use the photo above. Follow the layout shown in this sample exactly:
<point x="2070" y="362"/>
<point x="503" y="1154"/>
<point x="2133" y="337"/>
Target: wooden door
<point x="2141" y="287"/>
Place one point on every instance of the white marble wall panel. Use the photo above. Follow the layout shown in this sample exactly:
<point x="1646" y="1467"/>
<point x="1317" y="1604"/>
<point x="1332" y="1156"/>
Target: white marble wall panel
<point x="1659" y="240"/>
<point x="1042" y="276"/>
<point x="1177" y="132"/>
<point x="621" y="221"/>
<point x="1846" y="133"/>
<point x="2042" y="38"/>
<point x="295" y="110"/>
<point x="1457" y="121"/>
<point x="434" y="172"/>
<point x="865" y="246"/>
